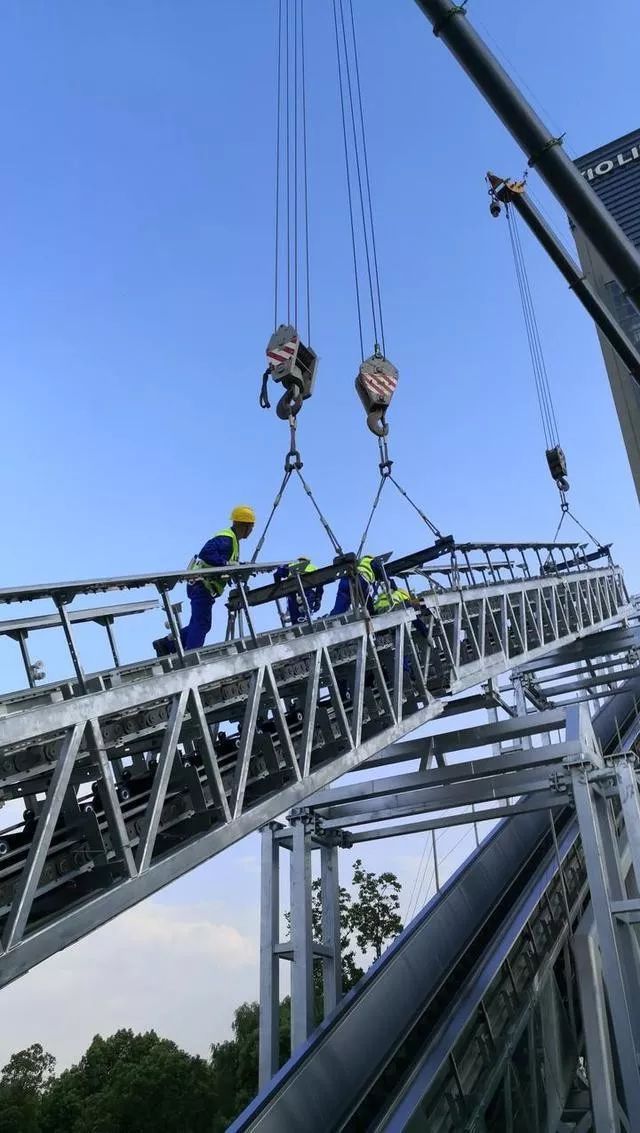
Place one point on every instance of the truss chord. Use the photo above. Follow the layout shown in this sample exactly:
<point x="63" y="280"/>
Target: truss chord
<point x="271" y="715"/>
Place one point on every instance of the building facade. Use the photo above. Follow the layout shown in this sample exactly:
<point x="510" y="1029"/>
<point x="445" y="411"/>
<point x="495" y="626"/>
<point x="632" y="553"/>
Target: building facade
<point x="613" y="171"/>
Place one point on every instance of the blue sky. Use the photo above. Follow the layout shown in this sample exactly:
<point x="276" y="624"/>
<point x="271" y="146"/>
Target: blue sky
<point x="136" y="193"/>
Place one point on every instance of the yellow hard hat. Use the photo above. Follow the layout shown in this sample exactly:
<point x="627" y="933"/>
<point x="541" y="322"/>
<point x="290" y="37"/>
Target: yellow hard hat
<point x="243" y="514"/>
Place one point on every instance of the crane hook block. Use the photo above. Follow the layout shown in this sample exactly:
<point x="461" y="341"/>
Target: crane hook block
<point x="376" y="384"/>
<point x="294" y="365"/>
<point x="557" y="462"/>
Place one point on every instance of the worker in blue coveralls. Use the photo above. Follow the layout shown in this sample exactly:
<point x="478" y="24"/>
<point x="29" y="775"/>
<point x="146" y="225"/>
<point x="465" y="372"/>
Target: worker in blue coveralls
<point x="222" y="548"/>
<point x="313" y="594"/>
<point x="370" y="571"/>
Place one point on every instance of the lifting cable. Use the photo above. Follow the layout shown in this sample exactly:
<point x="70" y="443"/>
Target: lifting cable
<point x="377" y="377"/>
<point x="556" y="459"/>
<point x="291" y="222"/>
<point x="363" y="237"/>
<point x="290" y="361"/>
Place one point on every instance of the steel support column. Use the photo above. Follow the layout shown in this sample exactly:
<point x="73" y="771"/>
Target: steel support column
<point x="617" y="946"/>
<point x="301" y="934"/>
<point x="269" y="1025"/>
<point x="593" y="1008"/>
<point x="330" y="891"/>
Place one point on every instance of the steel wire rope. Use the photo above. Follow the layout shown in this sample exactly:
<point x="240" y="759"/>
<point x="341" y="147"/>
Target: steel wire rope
<point x="291" y="105"/>
<point x="291" y="173"/>
<point x="374" y="248"/>
<point x="423" y="865"/>
<point x="516" y="249"/>
<point x="305" y="172"/>
<point x="358" y="170"/>
<point x="278" y="163"/>
<point x="293" y="463"/>
<point x="348" y="176"/>
<point x="362" y="170"/>
<point x="384" y="476"/>
<point x="295" y="163"/>
<point x="514" y="72"/>
<point x="287" y="107"/>
<point x="333" y="539"/>
<point x="541" y="377"/>
<point x="425" y="886"/>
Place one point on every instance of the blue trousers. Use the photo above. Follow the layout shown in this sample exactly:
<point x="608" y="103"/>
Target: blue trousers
<point x="193" y="635"/>
<point x="343" y="595"/>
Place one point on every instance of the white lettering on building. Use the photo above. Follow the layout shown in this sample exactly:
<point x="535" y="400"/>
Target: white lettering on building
<point x="606" y="166"/>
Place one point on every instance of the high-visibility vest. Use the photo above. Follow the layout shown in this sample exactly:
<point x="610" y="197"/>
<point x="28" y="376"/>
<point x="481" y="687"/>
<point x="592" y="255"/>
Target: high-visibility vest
<point x="365" y="568"/>
<point x="386" y="601"/>
<point x="301" y="566"/>
<point x="216" y="585"/>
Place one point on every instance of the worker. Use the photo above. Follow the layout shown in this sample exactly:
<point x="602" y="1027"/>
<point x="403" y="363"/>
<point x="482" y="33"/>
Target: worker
<point x="389" y="600"/>
<point x="370" y="571"/>
<point x="221" y="549"/>
<point x="313" y="594"/>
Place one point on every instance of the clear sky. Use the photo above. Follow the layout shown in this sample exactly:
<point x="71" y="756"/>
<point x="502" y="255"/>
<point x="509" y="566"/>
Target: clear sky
<point x="136" y="190"/>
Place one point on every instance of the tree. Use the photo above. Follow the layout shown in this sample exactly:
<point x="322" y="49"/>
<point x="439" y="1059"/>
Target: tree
<point x="133" y="1084"/>
<point x="368" y="921"/>
<point x="374" y="916"/>
<point x="351" y="972"/>
<point x="234" y="1063"/>
<point x="24" y="1080"/>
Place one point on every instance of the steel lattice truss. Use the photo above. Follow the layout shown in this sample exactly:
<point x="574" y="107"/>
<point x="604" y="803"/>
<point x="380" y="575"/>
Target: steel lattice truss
<point x="167" y="765"/>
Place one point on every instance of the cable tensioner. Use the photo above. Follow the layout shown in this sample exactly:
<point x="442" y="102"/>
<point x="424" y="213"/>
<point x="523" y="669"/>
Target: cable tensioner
<point x="292" y="364"/>
<point x="376" y="384"/>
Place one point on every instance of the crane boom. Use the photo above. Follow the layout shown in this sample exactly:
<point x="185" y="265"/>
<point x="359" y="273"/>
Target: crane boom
<point x="544" y="151"/>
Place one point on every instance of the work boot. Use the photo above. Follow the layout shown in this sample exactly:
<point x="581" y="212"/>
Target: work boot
<point x="162" y="646"/>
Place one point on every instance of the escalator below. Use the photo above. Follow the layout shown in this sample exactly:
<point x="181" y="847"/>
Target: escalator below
<point x="461" y="973"/>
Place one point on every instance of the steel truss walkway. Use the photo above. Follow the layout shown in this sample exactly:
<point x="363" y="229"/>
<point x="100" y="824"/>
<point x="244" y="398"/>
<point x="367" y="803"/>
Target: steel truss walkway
<point x="135" y="775"/>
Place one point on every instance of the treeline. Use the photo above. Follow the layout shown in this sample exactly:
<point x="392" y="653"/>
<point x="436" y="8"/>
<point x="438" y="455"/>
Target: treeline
<point x="131" y="1083"/>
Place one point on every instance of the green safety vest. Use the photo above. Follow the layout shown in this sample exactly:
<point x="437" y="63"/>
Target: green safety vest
<point x="386" y="601"/>
<point x="214" y="585"/>
<point x="365" y="568"/>
<point x="301" y="566"/>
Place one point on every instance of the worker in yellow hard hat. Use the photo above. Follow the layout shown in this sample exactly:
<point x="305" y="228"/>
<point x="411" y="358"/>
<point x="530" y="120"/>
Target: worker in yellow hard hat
<point x="222" y="548"/>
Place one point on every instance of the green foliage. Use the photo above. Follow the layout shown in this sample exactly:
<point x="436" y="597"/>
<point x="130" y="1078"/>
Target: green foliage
<point x="131" y="1084"/>
<point x="374" y="917"/>
<point x="23" y="1082"/>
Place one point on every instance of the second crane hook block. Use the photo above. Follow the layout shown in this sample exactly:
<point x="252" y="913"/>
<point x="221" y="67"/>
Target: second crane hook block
<point x="557" y="462"/>
<point x="294" y="365"/>
<point x="376" y="384"/>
